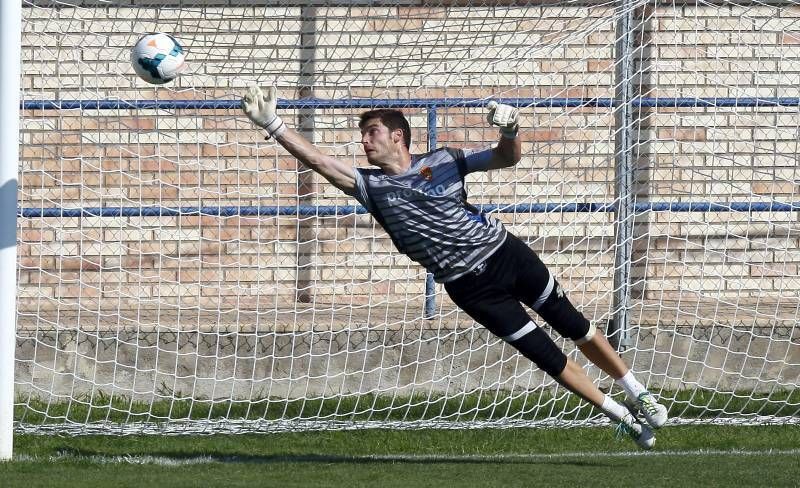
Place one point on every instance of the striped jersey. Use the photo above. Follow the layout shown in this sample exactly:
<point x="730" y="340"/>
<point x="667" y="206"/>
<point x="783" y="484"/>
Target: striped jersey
<point x="425" y="211"/>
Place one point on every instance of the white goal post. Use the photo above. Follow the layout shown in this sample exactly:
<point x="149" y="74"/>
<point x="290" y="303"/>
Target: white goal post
<point x="178" y="273"/>
<point x="10" y="46"/>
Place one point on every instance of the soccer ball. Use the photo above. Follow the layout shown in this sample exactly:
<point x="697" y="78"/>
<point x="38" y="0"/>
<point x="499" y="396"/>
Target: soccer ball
<point x="158" y="58"/>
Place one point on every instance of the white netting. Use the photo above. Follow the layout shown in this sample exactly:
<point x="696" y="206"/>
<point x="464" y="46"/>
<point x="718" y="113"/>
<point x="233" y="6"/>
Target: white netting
<point x="280" y="302"/>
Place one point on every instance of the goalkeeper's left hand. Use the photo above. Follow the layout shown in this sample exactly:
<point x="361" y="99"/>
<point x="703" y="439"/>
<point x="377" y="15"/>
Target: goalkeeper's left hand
<point x="262" y="109"/>
<point x="504" y="116"/>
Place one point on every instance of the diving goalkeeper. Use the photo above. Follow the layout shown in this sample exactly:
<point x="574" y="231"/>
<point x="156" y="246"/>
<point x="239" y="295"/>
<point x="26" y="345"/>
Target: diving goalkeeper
<point x="420" y="200"/>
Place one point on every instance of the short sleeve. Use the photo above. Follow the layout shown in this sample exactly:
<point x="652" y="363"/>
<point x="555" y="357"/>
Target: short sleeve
<point x="477" y="159"/>
<point x="360" y="189"/>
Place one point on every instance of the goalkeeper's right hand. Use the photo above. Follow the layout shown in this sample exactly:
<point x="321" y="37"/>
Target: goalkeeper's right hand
<point x="504" y="116"/>
<point x="262" y="110"/>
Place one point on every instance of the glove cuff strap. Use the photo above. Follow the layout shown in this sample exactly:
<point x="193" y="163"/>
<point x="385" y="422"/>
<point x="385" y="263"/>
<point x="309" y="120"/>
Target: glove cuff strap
<point x="275" y="127"/>
<point x="510" y="132"/>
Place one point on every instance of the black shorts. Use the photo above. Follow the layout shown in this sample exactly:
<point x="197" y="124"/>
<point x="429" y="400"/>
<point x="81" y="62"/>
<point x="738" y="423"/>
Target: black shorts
<point x="494" y="293"/>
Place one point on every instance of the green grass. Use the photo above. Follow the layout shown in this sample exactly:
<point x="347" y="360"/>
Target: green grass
<point x="535" y="405"/>
<point x="685" y="456"/>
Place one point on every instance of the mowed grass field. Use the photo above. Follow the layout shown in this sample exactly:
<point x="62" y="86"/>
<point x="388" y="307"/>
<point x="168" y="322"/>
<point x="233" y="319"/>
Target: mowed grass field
<point x="684" y="456"/>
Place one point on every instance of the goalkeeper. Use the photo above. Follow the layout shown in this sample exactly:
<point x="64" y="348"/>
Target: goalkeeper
<point x="420" y="200"/>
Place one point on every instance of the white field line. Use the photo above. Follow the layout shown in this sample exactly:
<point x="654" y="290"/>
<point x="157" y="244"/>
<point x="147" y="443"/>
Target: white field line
<point x="409" y="458"/>
<point x="232" y="426"/>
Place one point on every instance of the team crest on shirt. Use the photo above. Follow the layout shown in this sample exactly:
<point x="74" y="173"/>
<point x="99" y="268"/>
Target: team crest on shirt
<point x="426" y="172"/>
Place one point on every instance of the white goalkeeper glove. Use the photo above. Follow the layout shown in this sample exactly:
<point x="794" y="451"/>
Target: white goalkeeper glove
<point x="262" y="110"/>
<point x="504" y="116"/>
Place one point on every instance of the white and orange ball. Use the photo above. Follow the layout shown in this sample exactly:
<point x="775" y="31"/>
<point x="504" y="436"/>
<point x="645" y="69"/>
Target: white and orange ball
<point x="158" y="58"/>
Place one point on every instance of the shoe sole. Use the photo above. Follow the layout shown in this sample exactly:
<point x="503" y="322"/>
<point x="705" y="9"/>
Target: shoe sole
<point x="646" y="433"/>
<point x="641" y="417"/>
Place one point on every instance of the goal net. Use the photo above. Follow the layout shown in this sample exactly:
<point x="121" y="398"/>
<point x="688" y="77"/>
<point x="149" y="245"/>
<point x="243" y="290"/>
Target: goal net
<point x="179" y="273"/>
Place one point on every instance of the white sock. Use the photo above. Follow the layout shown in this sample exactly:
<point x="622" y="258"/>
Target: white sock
<point x="612" y="409"/>
<point x="631" y="386"/>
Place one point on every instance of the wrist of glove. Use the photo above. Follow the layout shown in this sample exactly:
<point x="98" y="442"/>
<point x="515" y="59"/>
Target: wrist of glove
<point x="510" y="132"/>
<point x="505" y="117"/>
<point x="274" y="127"/>
<point x="261" y="108"/>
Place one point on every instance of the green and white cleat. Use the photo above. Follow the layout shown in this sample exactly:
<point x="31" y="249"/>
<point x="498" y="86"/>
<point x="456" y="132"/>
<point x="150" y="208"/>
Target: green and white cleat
<point x="653" y="412"/>
<point x="634" y="429"/>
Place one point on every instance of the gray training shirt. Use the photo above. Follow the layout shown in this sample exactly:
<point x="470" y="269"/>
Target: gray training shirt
<point x="426" y="214"/>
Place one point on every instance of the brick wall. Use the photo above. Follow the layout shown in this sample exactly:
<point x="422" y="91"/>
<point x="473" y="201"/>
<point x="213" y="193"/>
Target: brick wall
<point x="120" y="271"/>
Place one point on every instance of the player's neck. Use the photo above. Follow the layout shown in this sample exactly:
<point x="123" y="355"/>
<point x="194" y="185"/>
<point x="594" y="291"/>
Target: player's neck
<point x="398" y="164"/>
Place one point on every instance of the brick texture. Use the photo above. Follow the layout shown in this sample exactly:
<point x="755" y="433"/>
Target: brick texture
<point x="121" y="267"/>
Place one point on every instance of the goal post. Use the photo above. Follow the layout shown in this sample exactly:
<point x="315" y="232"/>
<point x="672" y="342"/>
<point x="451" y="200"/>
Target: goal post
<point x="10" y="46"/>
<point x="178" y="273"/>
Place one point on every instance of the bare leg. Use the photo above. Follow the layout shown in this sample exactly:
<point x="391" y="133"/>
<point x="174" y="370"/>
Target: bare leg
<point x="599" y="351"/>
<point x="575" y="379"/>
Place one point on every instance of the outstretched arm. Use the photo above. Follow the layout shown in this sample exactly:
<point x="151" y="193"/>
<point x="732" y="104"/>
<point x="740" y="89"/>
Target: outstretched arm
<point x="262" y="110"/>
<point x="508" y="151"/>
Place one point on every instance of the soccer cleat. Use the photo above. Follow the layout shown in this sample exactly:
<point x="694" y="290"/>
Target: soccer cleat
<point x="634" y="429"/>
<point x="653" y="412"/>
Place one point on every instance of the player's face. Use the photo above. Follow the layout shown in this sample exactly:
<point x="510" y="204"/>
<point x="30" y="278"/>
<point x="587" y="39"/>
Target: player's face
<point x="379" y="143"/>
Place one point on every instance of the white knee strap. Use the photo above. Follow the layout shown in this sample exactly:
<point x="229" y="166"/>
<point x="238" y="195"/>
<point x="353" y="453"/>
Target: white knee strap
<point x="526" y="329"/>
<point x="548" y="289"/>
<point x="588" y="336"/>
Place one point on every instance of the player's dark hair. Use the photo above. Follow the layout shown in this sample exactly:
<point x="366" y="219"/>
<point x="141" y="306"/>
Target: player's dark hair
<point x="392" y="119"/>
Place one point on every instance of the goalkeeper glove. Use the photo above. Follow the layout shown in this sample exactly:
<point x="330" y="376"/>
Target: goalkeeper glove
<point x="504" y="116"/>
<point x="262" y="110"/>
